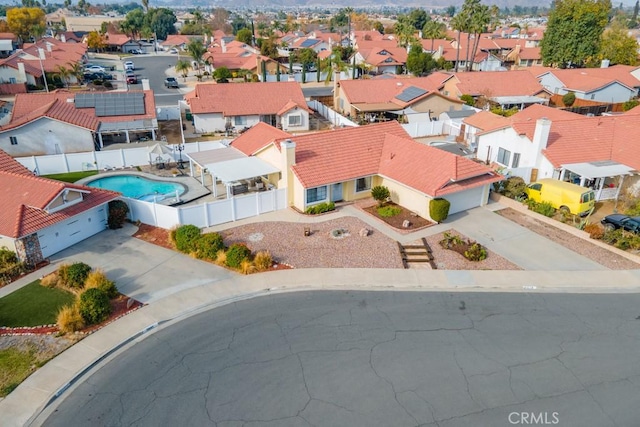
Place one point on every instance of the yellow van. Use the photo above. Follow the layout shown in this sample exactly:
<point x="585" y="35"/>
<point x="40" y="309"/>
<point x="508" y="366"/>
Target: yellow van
<point x="562" y="195"/>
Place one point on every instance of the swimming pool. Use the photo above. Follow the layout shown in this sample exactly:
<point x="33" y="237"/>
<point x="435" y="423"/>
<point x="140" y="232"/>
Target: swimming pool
<point x="138" y="187"/>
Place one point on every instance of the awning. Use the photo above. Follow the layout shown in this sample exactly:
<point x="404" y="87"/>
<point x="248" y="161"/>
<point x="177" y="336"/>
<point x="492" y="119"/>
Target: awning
<point x="216" y="155"/>
<point x="512" y="100"/>
<point x="599" y="169"/>
<point x="239" y="169"/>
<point x="378" y="106"/>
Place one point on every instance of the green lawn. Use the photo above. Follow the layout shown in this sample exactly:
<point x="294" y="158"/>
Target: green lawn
<point x="33" y="305"/>
<point x="15" y="366"/>
<point x="71" y="176"/>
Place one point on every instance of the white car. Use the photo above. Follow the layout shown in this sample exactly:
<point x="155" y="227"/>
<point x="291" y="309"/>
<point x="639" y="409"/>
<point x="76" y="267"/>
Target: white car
<point x="94" y="69"/>
<point x="129" y="65"/>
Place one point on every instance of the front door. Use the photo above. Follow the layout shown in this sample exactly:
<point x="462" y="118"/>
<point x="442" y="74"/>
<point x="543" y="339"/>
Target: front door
<point x="336" y="192"/>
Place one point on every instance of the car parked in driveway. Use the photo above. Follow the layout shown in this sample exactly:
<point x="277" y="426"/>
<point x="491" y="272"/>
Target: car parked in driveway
<point x="171" y="82"/>
<point x="89" y="77"/>
<point x="94" y="69"/>
<point x="628" y="223"/>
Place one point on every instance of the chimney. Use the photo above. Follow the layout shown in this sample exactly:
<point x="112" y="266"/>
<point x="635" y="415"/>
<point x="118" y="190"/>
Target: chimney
<point x="288" y="149"/>
<point x="63" y="38"/>
<point x="541" y="137"/>
<point x="336" y="89"/>
<point x="145" y="84"/>
<point x="605" y="63"/>
<point x="22" y="72"/>
<point x="41" y="54"/>
<point x="48" y="47"/>
<point x="223" y="45"/>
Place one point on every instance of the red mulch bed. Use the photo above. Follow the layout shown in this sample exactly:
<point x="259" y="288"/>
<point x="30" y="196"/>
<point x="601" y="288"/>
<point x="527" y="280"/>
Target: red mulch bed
<point x="118" y="309"/>
<point x="416" y="222"/>
<point x="156" y="235"/>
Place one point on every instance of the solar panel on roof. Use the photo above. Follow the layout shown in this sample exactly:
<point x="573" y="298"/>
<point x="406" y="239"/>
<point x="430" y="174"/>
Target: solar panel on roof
<point x="308" y="43"/>
<point x="410" y="93"/>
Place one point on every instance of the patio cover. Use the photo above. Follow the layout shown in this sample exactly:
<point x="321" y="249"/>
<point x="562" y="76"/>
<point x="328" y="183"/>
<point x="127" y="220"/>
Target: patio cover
<point x="379" y="106"/>
<point x="599" y="169"/>
<point x="216" y="155"/>
<point x="241" y="168"/>
<point x="526" y="99"/>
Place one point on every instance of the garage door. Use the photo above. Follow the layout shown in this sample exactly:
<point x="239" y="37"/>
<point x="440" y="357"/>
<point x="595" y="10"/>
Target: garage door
<point x="465" y="200"/>
<point x="60" y="236"/>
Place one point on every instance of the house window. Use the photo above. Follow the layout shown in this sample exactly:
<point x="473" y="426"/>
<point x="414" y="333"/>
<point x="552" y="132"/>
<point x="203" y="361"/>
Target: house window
<point x="593" y="95"/>
<point x="363" y="184"/>
<point x="295" y="120"/>
<point x="316" y="194"/>
<point x="14" y="140"/>
<point x="516" y="160"/>
<point x="503" y="156"/>
<point x="240" y="120"/>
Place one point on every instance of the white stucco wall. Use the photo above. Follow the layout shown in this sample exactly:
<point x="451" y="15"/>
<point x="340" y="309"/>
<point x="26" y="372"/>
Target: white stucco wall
<point x="205" y="123"/>
<point x="489" y="145"/>
<point x="8" y="73"/>
<point x="304" y="123"/>
<point x="43" y="135"/>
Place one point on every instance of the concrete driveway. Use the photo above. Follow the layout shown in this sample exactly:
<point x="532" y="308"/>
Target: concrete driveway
<point x="141" y="270"/>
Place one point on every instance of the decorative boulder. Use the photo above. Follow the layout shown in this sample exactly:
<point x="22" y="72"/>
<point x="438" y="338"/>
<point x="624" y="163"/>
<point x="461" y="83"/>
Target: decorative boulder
<point x="364" y="232"/>
<point x="406" y="223"/>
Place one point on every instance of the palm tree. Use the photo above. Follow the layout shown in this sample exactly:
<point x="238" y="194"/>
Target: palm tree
<point x="146" y="33"/>
<point x="458" y="23"/>
<point x="76" y="70"/>
<point x="63" y="73"/>
<point x="182" y="67"/>
<point x="196" y="50"/>
<point x="433" y="30"/>
<point x="480" y="18"/>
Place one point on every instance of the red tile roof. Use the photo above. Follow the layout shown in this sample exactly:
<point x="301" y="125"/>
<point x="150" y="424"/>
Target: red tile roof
<point x="385" y="90"/>
<point x="241" y="99"/>
<point x="56" y="105"/>
<point x="485" y="120"/>
<point x="24" y="197"/>
<point x="524" y="122"/>
<point x="498" y="83"/>
<point x="589" y="79"/>
<point x="383" y="149"/>
<point x="258" y="137"/>
<point x="9" y="164"/>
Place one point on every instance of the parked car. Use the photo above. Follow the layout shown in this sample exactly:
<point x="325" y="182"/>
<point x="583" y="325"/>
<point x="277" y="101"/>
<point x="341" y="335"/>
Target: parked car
<point x="131" y="77"/>
<point x="136" y="51"/>
<point x="628" y="223"/>
<point x="94" y="69"/>
<point x="129" y="65"/>
<point x="89" y="77"/>
<point x="174" y="50"/>
<point x="171" y="82"/>
<point x="562" y="195"/>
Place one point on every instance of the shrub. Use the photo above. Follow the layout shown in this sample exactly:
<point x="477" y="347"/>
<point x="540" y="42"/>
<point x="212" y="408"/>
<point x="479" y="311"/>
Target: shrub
<point x="247" y="267"/>
<point x="107" y="84"/>
<point x="476" y="252"/>
<point x="380" y="194"/>
<point x="97" y="279"/>
<point x="514" y="187"/>
<point x="320" y="208"/>
<point x="468" y="99"/>
<point x="237" y="253"/>
<point x="569" y="99"/>
<point x="50" y="280"/>
<point x="10" y="266"/>
<point x="74" y="275"/>
<point x="622" y="239"/>
<point x="450" y="240"/>
<point x="208" y="245"/>
<point x="389" y="211"/>
<point x="543" y="208"/>
<point x="631" y="104"/>
<point x="118" y="211"/>
<point x="595" y="230"/>
<point x="263" y="260"/>
<point x="221" y="258"/>
<point x="94" y="306"/>
<point x="69" y="319"/>
<point x="439" y="209"/>
<point x="186" y="237"/>
<point x="633" y="209"/>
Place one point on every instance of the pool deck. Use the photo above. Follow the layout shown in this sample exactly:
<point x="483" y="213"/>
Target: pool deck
<point x="194" y="190"/>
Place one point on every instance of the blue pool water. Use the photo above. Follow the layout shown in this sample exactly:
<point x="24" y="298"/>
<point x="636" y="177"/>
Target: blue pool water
<point x="137" y="187"/>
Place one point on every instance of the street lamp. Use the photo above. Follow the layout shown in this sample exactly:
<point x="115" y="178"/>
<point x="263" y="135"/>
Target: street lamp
<point x="180" y="149"/>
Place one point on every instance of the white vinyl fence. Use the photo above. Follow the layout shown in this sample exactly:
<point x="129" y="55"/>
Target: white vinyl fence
<point x="426" y="128"/>
<point x="207" y="214"/>
<point x="108" y="159"/>
<point x="311" y="76"/>
<point x="331" y="115"/>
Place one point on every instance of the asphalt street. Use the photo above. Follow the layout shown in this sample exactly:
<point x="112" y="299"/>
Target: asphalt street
<point x="377" y="359"/>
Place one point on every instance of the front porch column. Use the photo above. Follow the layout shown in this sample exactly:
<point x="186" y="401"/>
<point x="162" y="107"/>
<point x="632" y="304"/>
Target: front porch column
<point x="562" y="172"/>
<point x="215" y="187"/>
<point x="126" y="133"/>
<point x="228" y="190"/>
<point x="582" y="181"/>
<point x="100" y="139"/>
<point x="153" y="134"/>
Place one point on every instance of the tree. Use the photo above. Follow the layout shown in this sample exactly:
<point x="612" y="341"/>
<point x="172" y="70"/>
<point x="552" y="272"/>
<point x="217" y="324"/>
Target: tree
<point x="76" y="70"/>
<point x="145" y="4"/>
<point x="480" y="19"/>
<point x="434" y="30"/>
<point x="418" y="18"/>
<point x="418" y="61"/>
<point x="574" y="32"/>
<point x="161" y="21"/>
<point x="222" y="75"/>
<point x="305" y="56"/>
<point x="133" y="23"/>
<point x="459" y="23"/>
<point x="26" y="22"/>
<point x="182" y="67"/>
<point x="63" y="74"/>
<point x="404" y="31"/>
<point x="244" y="36"/>
<point x="618" y="46"/>
<point x="269" y="48"/>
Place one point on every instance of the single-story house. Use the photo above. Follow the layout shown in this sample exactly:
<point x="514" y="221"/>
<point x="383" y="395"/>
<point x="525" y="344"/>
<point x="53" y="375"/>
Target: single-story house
<point x="219" y="107"/>
<point x="68" y="122"/>
<point x="542" y="142"/>
<point x="417" y="98"/>
<point x="40" y="216"/>
<point x="344" y="164"/>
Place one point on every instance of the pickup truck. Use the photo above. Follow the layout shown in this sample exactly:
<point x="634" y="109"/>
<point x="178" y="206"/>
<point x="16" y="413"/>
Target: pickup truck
<point x="171" y="82"/>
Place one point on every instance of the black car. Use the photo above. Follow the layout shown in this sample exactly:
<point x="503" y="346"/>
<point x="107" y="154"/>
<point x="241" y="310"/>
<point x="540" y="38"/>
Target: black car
<point x="89" y="77"/>
<point x="628" y="223"/>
